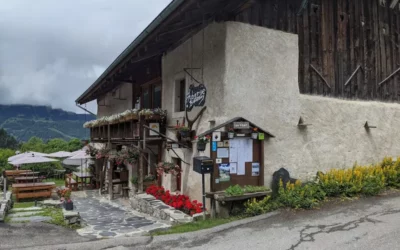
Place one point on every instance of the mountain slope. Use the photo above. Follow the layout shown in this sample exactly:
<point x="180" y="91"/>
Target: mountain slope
<point x="25" y="121"/>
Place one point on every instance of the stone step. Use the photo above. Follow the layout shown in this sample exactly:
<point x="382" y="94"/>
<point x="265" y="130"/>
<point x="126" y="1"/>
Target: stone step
<point x="25" y="209"/>
<point x="31" y="219"/>
<point x="24" y="214"/>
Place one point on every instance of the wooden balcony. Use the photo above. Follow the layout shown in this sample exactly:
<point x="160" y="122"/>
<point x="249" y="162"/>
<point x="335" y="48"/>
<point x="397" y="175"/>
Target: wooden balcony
<point x="126" y="131"/>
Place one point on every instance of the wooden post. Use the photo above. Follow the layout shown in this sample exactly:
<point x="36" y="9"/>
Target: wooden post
<point x="141" y="160"/>
<point x="110" y="183"/>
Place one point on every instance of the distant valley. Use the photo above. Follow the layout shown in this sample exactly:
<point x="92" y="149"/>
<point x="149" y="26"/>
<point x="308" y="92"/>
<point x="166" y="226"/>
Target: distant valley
<point x="26" y="121"/>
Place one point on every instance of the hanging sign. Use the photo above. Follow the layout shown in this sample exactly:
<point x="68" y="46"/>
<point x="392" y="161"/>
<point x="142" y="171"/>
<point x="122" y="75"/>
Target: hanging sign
<point x="196" y="97"/>
<point x="241" y="125"/>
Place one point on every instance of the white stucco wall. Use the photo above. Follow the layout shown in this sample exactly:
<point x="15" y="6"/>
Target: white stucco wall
<point x="110" y="105"/>
<point x="190" y="55"/>
<point x="252" y="72"/>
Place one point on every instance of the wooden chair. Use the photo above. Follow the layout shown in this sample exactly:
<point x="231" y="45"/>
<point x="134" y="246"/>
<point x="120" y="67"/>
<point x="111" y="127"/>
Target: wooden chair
<point x="70" y="182"/>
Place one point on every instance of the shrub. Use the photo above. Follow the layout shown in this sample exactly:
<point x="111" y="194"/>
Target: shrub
<point x="257" y="207"/>
<point x="296" y="195"/>
<point x="234" y="191"/>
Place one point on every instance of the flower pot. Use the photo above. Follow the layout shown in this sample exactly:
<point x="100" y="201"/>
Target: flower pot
<point x="184" y="133"/>
<point x="254" y="136"/>
<point x="69" y="206"/>
<point x="231" y="135"/>
<point x="201" y="146"/>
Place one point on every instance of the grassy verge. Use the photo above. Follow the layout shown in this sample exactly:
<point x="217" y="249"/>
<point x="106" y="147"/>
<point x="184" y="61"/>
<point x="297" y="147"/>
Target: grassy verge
<point x="58" y="182"/>
<point x="24" y="204"/>
<point x="196" y="226"/>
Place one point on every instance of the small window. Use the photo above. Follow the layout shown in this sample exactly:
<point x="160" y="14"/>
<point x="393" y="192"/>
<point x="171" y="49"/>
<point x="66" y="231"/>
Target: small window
<point x="180" y="87"/>
<point x="146" y="99"/>
<point x="157" y="96"/>
<point x="137" y="103"/>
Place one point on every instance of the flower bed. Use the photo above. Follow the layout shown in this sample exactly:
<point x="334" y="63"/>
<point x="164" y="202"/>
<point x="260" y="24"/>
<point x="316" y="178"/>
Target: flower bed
<point x="177" y="201"/>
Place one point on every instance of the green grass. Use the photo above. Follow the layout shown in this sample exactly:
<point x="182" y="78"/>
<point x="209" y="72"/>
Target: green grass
<point x="195" y="226"/>
<point x="24" y="204"/>
<point x="59" y="182"/>
<point x="56" y="214"/>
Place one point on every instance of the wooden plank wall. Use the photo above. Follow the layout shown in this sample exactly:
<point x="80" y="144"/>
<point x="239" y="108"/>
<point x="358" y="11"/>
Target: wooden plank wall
<point x="336" y="39"/>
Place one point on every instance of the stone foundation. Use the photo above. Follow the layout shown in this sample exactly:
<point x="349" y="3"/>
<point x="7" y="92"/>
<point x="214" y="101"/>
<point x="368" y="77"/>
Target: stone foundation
<point x="148" y="204"/>
<point x="5" y="205"/>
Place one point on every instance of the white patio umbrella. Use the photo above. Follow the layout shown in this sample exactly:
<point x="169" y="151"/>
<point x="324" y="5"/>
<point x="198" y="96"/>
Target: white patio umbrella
<point x="20" y="156"/>
<point x="80" y="155"/>
<point x="30" y="159"/>
<point x="60" y="154"/>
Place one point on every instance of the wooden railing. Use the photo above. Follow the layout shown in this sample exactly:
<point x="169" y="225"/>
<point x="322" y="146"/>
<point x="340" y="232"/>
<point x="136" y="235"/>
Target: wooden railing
<point x="131" y="130"/>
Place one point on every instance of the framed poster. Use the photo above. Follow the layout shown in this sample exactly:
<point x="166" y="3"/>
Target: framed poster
<point x="224" y="172"/>
<point x="154" y="126"/>
<point x="255" y="169"/>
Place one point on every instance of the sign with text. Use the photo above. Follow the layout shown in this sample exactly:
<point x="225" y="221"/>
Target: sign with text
<point x="241" y="125"/>
<point x="196" y="97"/>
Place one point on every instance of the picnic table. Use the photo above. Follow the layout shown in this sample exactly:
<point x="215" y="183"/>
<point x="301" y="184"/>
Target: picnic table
<point x="11" y="174"/>
<point x="33" y="190"/>
<point x="84" y="177"/>
<point x="27" y="179"/>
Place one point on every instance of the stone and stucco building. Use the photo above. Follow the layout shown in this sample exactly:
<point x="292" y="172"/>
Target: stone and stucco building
<point x="257" y="72"/>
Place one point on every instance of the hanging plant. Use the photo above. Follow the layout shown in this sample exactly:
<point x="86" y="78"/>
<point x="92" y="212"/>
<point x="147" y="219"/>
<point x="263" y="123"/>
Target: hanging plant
<point x="183" y="131"/>
<point x="254" y="134"/>
<point x="231" y="133"/>
<point x="202" y="142"/>
<point x="168" y="168"/>
<point x="102" y="153"/>
<point x="92" y="151"/>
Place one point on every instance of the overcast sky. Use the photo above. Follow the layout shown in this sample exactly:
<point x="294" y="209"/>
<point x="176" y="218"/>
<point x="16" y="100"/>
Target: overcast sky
<point x="51" y="51"/>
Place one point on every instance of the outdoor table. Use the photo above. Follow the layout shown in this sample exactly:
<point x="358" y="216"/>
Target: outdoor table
<point x="84" y="177"/>
<point x="29" y="173"/>
<point x="59" y="173"/>
<point x="26" y="179"/>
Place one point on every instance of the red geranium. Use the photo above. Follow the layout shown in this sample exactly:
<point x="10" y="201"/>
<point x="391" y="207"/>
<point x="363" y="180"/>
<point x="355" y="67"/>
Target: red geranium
<point x="177" y="201"/>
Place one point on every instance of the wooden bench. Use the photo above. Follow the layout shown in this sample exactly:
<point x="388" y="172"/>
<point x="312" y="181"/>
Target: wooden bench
<point x="33" y="190"/>
<point x="71" y="183"/>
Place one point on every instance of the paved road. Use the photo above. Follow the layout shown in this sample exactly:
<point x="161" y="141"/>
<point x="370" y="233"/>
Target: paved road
<point x="372" y="223"/>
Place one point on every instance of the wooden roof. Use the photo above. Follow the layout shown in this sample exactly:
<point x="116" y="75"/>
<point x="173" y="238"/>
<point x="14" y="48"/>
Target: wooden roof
<point x="237" y="119"/>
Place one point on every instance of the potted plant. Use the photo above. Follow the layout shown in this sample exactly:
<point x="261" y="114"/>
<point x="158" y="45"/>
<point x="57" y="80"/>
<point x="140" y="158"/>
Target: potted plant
<point x="183" y="131"/>
<point x="68" y="204"/>
<point x="254" y="134"/>
<point x="202" y="142"/>
<point x="168" y="168"/>
<point x="231" y="133"/>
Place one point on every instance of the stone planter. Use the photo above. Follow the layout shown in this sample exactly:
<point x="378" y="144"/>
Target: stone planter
<point x="69" y="206"/>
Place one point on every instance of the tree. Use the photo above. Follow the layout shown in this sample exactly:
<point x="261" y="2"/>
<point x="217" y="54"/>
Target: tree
<point x="34" y="144"/>
<point x="55" y="145"/>
<point x="74" y="144"/>
<point x="7" y="141"/>
<point x="4" y="155"/>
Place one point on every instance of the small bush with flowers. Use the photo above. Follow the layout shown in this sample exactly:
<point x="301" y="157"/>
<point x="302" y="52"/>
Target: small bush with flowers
<point x="177" y="201"/>
<point x="203" y="139"/>
<point x="168" y="168"/>
<point x="64" y="193"/>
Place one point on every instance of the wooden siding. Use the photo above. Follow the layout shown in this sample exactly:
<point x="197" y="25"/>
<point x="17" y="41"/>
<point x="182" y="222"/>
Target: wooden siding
<point x="348" y="48"/>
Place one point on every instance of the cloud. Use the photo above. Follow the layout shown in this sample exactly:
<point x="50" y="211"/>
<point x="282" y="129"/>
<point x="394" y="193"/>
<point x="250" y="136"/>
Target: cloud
<point x="52" y="51"/>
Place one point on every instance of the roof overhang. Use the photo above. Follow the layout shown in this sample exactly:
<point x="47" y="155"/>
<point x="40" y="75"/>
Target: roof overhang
<point x="236" y="119"/>
<point x="174" y="25"/>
